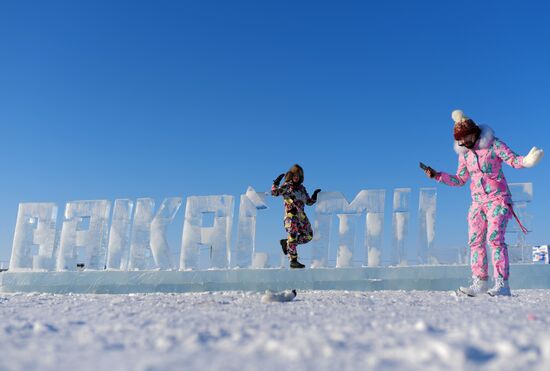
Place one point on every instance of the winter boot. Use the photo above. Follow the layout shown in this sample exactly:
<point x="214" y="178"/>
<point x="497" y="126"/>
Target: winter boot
<point x="283" y="246"/>
<point x="294" y="263"/>
<point x="501" y="288"/>
<point x="477" y="287"/>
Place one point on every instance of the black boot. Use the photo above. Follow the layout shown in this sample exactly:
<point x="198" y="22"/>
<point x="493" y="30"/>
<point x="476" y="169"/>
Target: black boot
<point x="294" y="263"/>
<point x="283" y="246"/>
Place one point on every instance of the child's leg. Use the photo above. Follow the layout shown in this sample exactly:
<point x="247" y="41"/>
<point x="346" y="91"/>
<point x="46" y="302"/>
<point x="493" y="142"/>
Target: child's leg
<point x="498" y="216"/>
<point x="305" y="233"/>
<point x="477" y="230"/>
<point x="304" y="238"/>
<point x="291" y="226"/>
<point x="291" y="245"/>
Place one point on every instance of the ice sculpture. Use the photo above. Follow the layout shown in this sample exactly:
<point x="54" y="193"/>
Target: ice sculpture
<point x="522" y="195"/>
<point x="119" y="235"/>
<point x="35" y="226"/>
<point x="81" y="243"/>
<point x="401" y="198"/>
<point x="374" y="227"/>
<point x="330" y="203"/>
<point x="245" y="250"/>
<point x="218" y="236"/>
<point x="426" y="226"/>
<point x="149" y="247"/>
<point x="346" y="231"/>
<point x="321" y="239"/>
<point x="159" y="243"/>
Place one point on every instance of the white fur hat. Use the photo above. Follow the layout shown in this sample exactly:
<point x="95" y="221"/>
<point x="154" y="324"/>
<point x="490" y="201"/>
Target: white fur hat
<point x="458" y="116"/>
<point x="463" y="125"/>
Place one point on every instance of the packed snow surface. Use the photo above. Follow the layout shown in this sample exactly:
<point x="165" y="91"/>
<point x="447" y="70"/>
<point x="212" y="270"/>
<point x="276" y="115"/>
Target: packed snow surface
<point x="318" y="330"/>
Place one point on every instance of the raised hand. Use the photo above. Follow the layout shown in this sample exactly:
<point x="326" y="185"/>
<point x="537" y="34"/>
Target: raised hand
<point x="278" y="179"/>
<point x="314" y="196"/>
<point x="533" y="157"/>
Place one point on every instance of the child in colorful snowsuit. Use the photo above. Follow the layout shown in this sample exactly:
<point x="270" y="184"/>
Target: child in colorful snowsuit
<point x="480" y="157"/>
<point x="296" y="222"/>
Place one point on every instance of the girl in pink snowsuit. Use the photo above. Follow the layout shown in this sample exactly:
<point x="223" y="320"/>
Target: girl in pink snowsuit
<point x="480" y="158"/>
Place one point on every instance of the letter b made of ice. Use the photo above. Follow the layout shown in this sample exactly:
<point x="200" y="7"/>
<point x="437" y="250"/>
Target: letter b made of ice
<point x="35" y="229"/>
<point x="84" y="235"/>
<point x="216" y="237"/>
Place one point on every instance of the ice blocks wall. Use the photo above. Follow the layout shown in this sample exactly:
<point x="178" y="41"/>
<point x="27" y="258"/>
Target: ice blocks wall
<point x="137" y="239"/>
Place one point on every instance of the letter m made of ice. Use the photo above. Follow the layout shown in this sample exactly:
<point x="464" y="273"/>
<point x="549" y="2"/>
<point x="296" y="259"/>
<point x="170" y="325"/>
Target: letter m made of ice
<point x="331" y="203"/>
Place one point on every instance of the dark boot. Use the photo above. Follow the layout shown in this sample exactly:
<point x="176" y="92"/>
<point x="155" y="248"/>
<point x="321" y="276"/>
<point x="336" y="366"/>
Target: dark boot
<point x="294" y="263"/>
<point x="283" y="246"/>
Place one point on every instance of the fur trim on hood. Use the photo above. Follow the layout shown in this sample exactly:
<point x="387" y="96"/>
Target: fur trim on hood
<point x="485" y="140"/>
<point x="295" y="169"/>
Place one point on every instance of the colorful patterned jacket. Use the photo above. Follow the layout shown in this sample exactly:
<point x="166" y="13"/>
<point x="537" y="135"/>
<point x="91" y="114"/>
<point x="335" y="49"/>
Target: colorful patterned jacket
<point x="295" y="197"/>
<point x="483" y="164"/>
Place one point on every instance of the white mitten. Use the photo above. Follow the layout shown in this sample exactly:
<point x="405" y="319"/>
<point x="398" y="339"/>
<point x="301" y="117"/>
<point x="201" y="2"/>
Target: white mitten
<point x="533" y="157"/>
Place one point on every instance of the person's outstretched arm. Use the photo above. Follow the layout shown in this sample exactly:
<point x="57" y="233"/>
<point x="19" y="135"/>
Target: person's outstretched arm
<point x="507" y="155"/>
<point x="313" y="199"/>
<point x="458" y="180"/>
<point x="514" y="160"/>
<point x="275" y="189"/>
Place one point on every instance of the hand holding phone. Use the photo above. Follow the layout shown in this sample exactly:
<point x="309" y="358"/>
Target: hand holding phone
<point x="431" y="173"/>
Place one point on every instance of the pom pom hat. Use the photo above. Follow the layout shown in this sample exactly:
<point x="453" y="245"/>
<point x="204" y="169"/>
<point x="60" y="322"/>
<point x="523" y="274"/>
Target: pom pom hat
<point x="464" y="126"/>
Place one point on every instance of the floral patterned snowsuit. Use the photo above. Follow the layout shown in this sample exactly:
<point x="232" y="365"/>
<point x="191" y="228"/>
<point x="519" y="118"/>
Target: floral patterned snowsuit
<point x="296" y="222"/>
<point x="491" y="200"/>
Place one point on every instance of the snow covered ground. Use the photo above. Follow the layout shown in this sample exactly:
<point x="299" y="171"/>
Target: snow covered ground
<point x="319" y="330"/>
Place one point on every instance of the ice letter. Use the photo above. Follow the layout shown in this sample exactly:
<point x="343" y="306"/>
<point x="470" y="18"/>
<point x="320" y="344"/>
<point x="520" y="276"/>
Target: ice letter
<point x="149" y="247"/>
<point x="426" y="224"/>
<point x="159" y="243"/>
<point x="321" y="240"/>
<point x="218" y="236"/>
<point x="522" y="195"/>
<point x="400" y="225"/>
<point x="251" y="202"/>
<point x="85" y="229"/>
<point x="118" y="252"/>
<point x="35" y="226"/>
<point x="374" y="227"/>
<point x="330" y="203"/>
<point x="346" y="243"/>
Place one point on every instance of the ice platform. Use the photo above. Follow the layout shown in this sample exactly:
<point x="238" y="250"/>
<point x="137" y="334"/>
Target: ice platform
<point x="439" y="278"/>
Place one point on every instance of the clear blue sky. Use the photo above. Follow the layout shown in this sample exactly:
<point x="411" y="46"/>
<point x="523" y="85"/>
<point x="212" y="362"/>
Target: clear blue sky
<point x="126" y="99"/>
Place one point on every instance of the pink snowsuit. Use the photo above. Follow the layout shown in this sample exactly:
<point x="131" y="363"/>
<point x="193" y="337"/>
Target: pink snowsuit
<point x="491" y="199"/>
